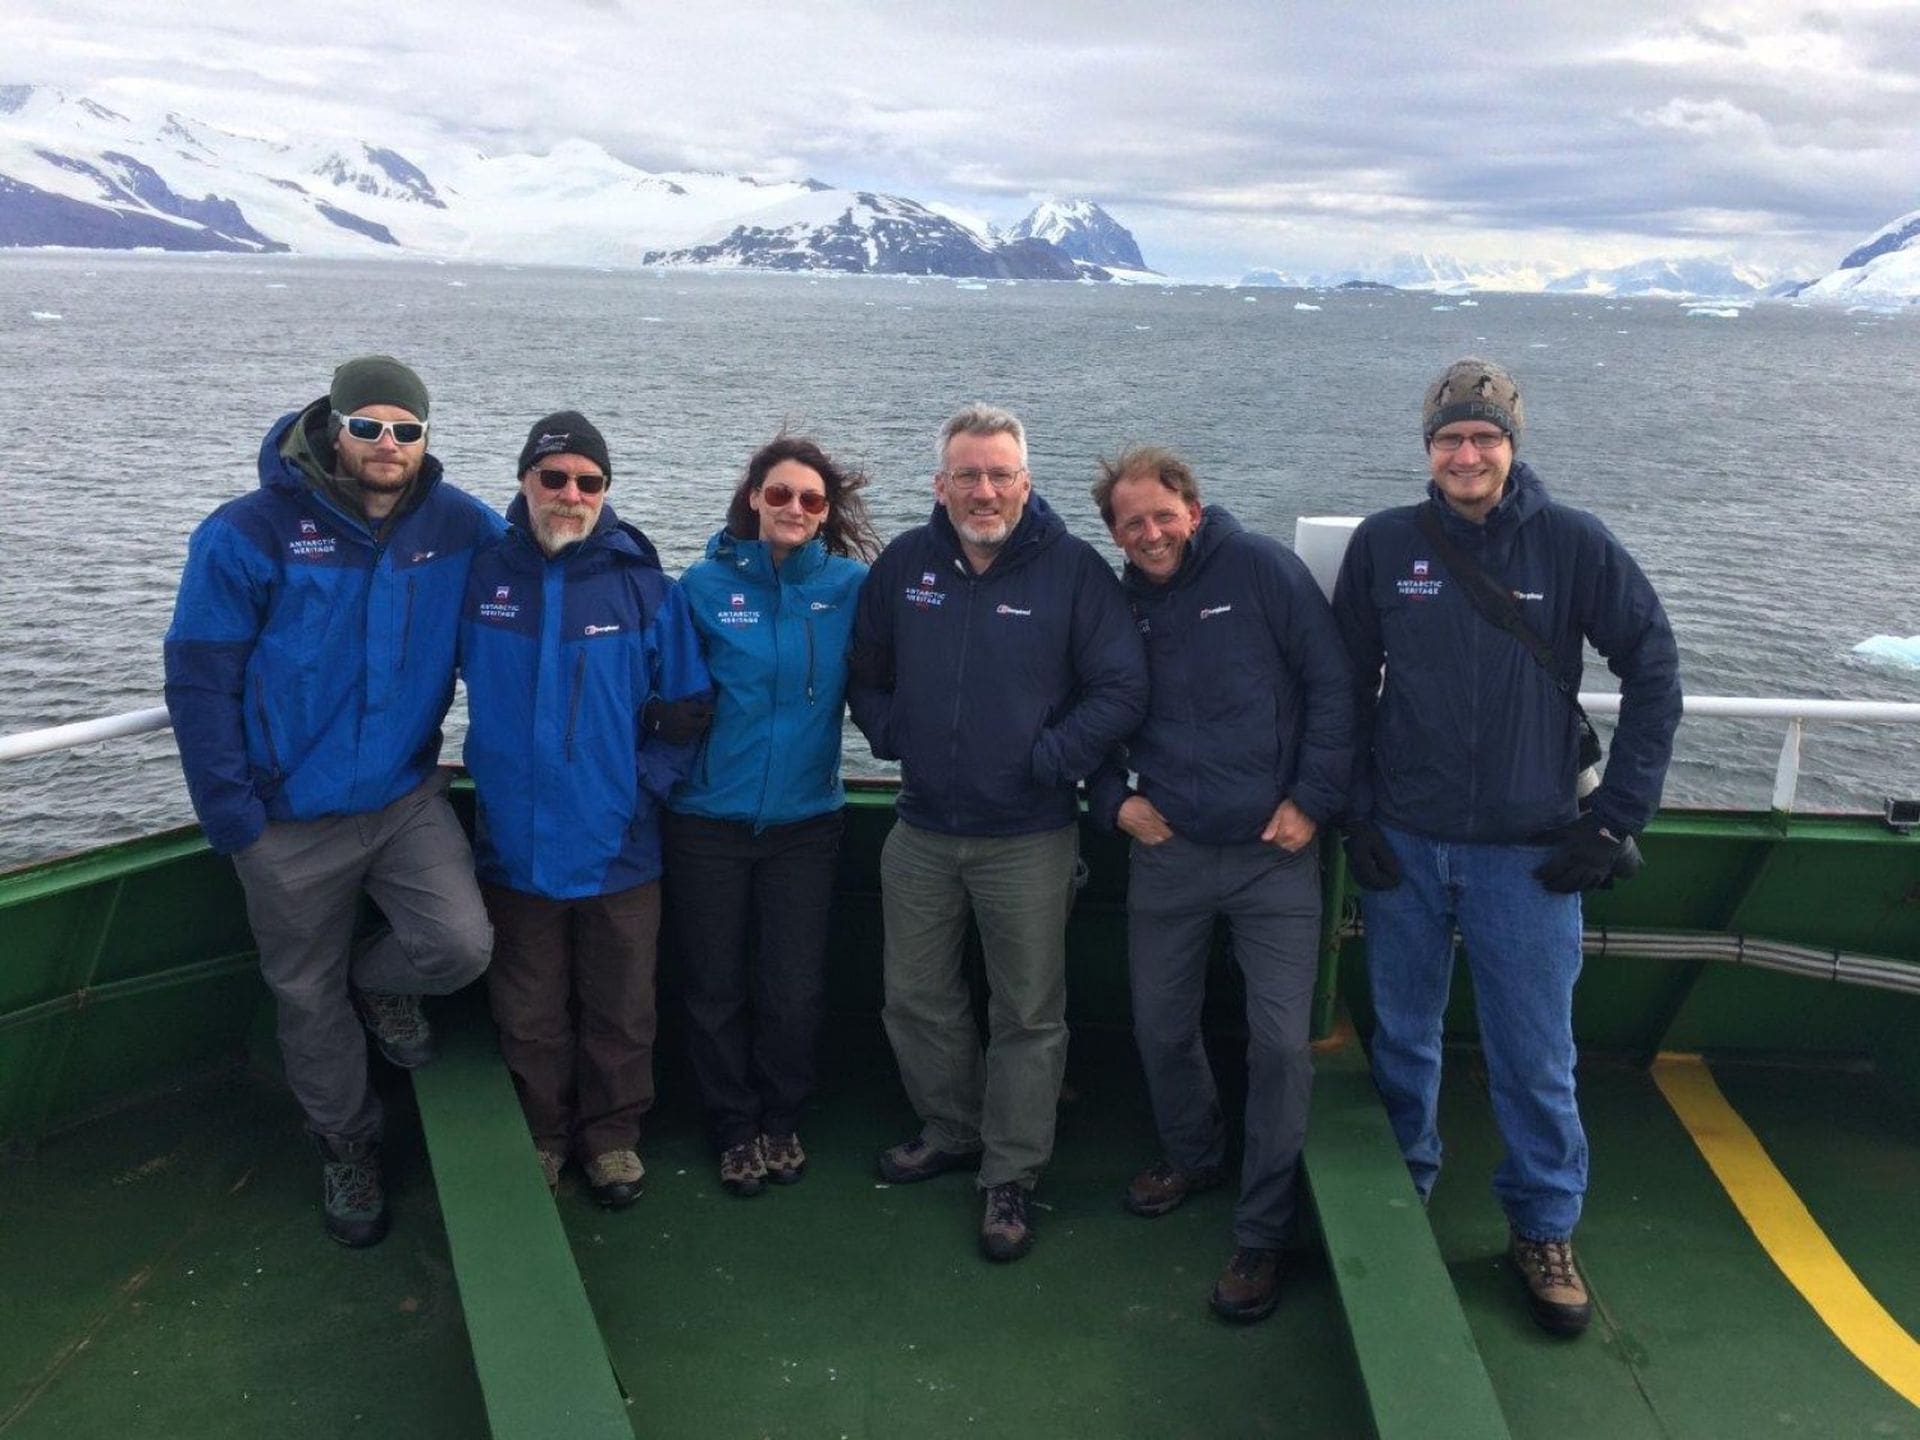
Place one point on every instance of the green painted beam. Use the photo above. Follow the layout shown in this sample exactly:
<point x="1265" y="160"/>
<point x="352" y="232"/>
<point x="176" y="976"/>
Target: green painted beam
<point x="537" y="1348"/>
<point x="1422" y="1371"/>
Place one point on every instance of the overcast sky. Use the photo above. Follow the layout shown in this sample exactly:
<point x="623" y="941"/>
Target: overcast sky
<point x="1226" y="136"/>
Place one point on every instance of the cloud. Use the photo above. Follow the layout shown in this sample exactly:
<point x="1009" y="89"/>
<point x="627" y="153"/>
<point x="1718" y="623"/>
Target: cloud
<point x="1252" y="125"/>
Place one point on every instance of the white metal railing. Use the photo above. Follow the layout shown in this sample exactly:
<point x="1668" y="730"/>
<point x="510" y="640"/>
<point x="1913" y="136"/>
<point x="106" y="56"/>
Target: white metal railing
<point x="1786" y="774"/>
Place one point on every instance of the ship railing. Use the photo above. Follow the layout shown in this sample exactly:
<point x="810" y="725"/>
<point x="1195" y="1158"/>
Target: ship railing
<point x="1797" y="713"/>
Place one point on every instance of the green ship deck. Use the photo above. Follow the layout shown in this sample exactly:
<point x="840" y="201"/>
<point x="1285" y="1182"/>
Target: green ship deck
<point x="165" y="1271"/>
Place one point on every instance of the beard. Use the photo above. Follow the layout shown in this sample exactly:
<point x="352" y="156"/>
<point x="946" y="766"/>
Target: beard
<point x="357" y="469"/>
<point x="985" y="532"/>
<point x="559" y="527"/>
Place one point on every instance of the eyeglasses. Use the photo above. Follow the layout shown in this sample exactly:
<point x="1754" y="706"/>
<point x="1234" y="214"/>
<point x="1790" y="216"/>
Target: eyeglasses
<point x="591" y="483"/>
<point x="1001" y="480"/>
<point x="1448" y="444"/>
<point x="365" y="427"/>
<point x="780" y="495"/>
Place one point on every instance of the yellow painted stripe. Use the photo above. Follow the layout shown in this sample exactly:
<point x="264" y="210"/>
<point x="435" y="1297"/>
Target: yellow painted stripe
<point x="1785" y="1229"/>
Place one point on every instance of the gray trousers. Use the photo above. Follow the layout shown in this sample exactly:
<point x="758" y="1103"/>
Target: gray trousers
<point x="304" y="879"/>
<point x="1271" y="901"/>
<point x="1019" y="888"/>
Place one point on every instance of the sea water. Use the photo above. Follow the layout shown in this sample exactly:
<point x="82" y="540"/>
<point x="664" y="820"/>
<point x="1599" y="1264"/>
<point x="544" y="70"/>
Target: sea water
<point x="1759" y="466"/>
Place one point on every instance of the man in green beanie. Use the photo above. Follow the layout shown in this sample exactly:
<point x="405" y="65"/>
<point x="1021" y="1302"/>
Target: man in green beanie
<point x="309" y="666"/>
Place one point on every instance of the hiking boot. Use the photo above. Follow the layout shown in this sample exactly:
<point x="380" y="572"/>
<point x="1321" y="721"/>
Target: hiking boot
<point x="614" y="1177"/>
<point x="1160" y="1188"/>
<point x="355" y="1201"/>
<point x="398" y="1026"/>
<point x="1006" y="1232"/>
<point x="1555" y="1292"/>
<point x="1249" y="1287"/>
<point x="914" y="1159"/>
<point x="552" y="1162"/>
<point x="785" y="1161"/>
<point x="743" y="1168"/>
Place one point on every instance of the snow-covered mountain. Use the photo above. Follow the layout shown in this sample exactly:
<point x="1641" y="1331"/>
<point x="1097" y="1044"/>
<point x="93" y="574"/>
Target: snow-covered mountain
<point x="74" y="172"/>
<point x="1712" y="277"/>
<point x="1084" y="231"/>
<point x="1883" y="268"/>
<point x="861" y="232"/>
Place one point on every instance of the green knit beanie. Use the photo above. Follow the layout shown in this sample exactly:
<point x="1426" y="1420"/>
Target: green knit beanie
<point x="377" y="380"/>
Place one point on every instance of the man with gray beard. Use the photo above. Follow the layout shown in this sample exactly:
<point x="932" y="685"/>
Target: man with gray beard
<point x="993" y="656"/>
<point x="309" y="665"/>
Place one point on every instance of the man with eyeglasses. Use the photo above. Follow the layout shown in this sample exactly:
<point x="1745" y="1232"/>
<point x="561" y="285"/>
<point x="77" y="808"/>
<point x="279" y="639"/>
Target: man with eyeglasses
<point x="309" y="666"/>
<point x="571" y="631"/>
<point x="1244" y="755"/>
<point x="994" y="658"/>
<point x="1464" y="813"/>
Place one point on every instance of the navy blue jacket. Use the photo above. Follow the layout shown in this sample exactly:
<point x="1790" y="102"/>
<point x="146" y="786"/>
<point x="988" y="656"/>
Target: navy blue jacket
<point x="776" y="642"/>
<point x="997" y="693"/>
<point x="1469" y="739"/>
<point x="1252" y="694"/>
<point x="560" y="655"/>
<point x="308" y="665"/>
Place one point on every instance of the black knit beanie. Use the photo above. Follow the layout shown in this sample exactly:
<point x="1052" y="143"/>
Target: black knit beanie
<point x="377" y="380"/>
<point x="565" y="432"/>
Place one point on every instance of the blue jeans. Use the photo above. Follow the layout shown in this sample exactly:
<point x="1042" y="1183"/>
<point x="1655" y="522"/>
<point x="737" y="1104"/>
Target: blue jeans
<point x="1523" y="952"/>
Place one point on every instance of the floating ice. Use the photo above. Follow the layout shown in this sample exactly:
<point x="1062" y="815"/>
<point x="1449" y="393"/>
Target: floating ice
<point x="1900" y="650"/>
<point x="1469" y="304"/>
<point x="1300" y="305"/>
<point x="1143" y="327"/>
<point x="969" y="285"/>
<point x="1728" y="312"/>
<point x="1251" y="299"/>
<point x="47" y="315"/>
<point x="1443" y="307"/>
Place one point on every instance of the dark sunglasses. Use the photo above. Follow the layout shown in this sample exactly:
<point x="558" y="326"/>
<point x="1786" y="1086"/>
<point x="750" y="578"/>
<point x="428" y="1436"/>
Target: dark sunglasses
<point x="590" y="483"/>
<point x="780" y="495"/>
<point x="365" y="427"/>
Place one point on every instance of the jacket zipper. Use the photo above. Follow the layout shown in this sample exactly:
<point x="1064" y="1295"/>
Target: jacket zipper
<point x="573" y="700"/>
<point x="959" y="692"/>
<point x="266" y="732"/>
<point x="406" y="626"/>
<point x="809" y="620"/>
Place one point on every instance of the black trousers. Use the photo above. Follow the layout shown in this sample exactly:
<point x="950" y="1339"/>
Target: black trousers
<point x="749" y="924"/>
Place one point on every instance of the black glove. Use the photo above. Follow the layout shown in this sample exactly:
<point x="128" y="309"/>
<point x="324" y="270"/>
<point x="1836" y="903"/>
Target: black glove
<point x="1370" y="857"/>
<point x="1587" y="856"/>
<point x="677" y="721"/>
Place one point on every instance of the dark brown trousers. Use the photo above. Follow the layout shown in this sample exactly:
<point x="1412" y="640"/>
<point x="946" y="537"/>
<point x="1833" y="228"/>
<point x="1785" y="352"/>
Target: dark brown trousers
<point x="571" y="986"/>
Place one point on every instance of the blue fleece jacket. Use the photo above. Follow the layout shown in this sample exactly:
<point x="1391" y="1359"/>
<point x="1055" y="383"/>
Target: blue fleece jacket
<point x="1252" y="695"/>
<point x="309" y="665"/>
<point x="1469" y="739"/>
<point x="776" y="643"/>
<point x="998" y="692"/>
<point x="560" y="655"/>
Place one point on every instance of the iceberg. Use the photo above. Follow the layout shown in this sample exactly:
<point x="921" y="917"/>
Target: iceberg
<point x="1899" y="650"/>
<point x="1715" y="313"/>
<point x="1303" y="305"/>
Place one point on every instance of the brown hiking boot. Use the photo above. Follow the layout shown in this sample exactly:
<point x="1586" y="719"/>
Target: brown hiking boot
<point x="1249" y="1287"/>
<point x="785" y="1161"/>
<point x="1555" y="1292"/>
<point x="743" y="1168"/>
<point x="1006" y="1232"/>
<point x="915" y="1159"/>
<point x="1160" y="1188"/>
<point x="615" y="1178"/>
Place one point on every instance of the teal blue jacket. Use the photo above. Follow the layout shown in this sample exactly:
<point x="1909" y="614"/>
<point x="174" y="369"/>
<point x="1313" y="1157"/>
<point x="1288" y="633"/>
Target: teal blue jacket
<point x="776" y="644"/>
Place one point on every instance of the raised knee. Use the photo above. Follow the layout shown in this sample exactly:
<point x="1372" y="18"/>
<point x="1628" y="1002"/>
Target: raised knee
<point x="458" y="956"/>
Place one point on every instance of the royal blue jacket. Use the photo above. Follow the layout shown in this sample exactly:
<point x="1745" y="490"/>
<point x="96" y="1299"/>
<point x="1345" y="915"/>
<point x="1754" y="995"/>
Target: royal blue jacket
<point x="1469" y="739"/>
<point x="776" y="643"/>
<point x="997" y="693"/>
<point x="308" y="665"/>
<point x="1252" y="695"/>
<point x="560" y="656"/>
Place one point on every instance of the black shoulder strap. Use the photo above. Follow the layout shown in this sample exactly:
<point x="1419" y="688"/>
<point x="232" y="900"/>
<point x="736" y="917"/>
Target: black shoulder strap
<point x="1493" y="600"/>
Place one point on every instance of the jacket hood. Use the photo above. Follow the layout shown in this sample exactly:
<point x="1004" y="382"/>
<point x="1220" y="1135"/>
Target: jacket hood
<point x="609" y="530"/>
<point x="1525" y="498"/>
<point x="1039" y="527"/>
<point x="801" y="562"/>
<point x="296" y="455"/>
<point x="1216" y="526"/>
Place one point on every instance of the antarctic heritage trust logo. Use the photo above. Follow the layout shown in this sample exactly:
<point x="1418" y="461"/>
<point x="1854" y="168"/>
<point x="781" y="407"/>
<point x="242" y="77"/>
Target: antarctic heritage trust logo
<point x="737" y="612"/>
<point x="1420" y="583"/>
<point x="311" y="544"/>
<point x="923" y="594"/>
<point x="502" y="606"/>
